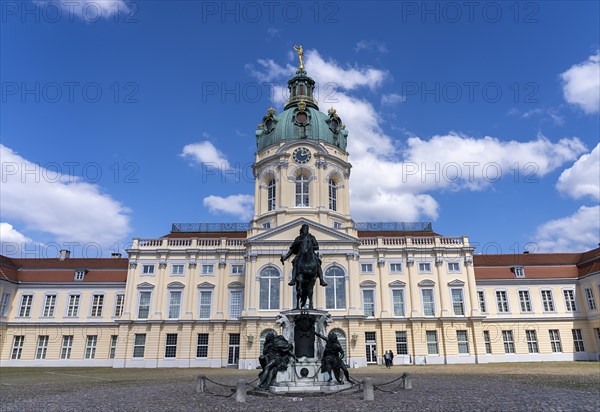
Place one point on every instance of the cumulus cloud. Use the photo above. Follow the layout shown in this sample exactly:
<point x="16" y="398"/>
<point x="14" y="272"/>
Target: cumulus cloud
<point x="64" y="206"/>
<point x="392" y="99"/>
<point x="240" y="206"/>
<point x="8" y="234"/>
<point x="575" y="233"/>
<point x="89" y="10"/>
<point x="581" y="84"/>
<point x="389" y="182"/>
<point x="205" y="154"/>
<point x="583" y="178"/>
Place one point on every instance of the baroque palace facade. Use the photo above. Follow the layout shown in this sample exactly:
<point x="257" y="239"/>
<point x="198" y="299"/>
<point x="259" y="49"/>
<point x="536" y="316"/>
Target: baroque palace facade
<point x="205" y="295"/>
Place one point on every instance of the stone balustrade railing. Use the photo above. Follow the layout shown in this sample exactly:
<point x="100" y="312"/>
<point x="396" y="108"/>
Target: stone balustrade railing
<point x="188" y="243"/>
<point x="414" y="241"/>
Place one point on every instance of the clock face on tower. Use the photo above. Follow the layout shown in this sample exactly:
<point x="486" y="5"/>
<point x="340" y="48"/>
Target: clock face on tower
<point x="301" y="155"/>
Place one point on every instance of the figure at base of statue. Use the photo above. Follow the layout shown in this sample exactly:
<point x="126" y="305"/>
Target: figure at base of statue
<point x="332" y="361"/>
<point x="276" y="355"/>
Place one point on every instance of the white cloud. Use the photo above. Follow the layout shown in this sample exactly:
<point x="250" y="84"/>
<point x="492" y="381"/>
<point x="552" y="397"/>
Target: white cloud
<point x="583" y="178"/>
<point x="371" y="45"/>
<point x="581" y="84"/>
<point x="8" y="234"/>
<point x="576" y="233"/>
<point x="205" y="154"/>
<point x="89" y="10"/>
<point x="392" y="99"/>
<point x="385" y="184"/>
<point x="241" y="206"/>
<point x="64" y="206"/>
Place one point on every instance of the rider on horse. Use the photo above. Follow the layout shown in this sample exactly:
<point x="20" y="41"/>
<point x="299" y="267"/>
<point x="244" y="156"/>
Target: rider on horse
<point x="295" y="249"/>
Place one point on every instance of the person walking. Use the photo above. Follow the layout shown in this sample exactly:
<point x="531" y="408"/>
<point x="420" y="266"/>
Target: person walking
<point x="387" y="359"/>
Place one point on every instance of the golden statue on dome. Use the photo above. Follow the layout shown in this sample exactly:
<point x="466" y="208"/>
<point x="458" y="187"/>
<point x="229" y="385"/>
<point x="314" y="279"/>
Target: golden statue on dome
<point x="300" y="52"/>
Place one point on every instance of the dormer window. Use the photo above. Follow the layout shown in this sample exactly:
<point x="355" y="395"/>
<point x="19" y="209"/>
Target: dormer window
<point x="519" y="271"/>
<point x="80" y="274"/>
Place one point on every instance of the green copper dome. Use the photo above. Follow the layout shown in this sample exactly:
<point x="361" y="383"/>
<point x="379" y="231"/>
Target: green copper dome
<point x="301" y="118"/>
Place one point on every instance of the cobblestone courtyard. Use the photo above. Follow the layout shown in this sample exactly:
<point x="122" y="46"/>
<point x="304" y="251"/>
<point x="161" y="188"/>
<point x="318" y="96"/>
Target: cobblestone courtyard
<point x="572" y="386"/>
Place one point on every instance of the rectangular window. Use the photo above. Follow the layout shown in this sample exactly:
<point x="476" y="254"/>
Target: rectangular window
<point x="337" y="225"/>
<point x="453" y="267"/>
<point x="177" y="269"/>
<point x="519" y="271"/>
<point x="525" y="301"/>
<point x="509" y="343"/>
<point x="119" y="304"/>
<point x="463" y="341"/>
<point x="457" y="302"/>
<point x="578" y="340"/>
<point x="97" y="302"/>
<point x="235" y="303"/>
<point x="17" y="348"/>
<point x="144" y="305"/>
<point x="547" y="300"/>
<point x="589" y="295"/>
<point x="113" y="346"/>
<point x="171" y="346"/>
<point x="532" y="343"/>
<point x="202" y="347"/>
<point x="4" y="304"/>
<point x="502" y="301"/>
<point x="205" y="303"/>
<point x="208" y="269"/>
<point x="233" y="353"/>
<point x="401" y="343"/>
<point x="139" y="345"/>
<point x="428" y="304"/>
<point x="555" y="340"/>
<point x="424" y="267"/>
<point x="398" y="302"/>
<point x="237" y="269"/>
<point x="49" y="304"/>
<point x="174" y="304"/>
<point x="487" y="341"/>
<point x="67" y="344"/>
<point x="570" y="300"/>
<point x="369" y="302"/>
<point x="395" y="267"/>
<point x="266" y="225"/>
<point x="73" y="306"/>
<point x="148" y="269"/>
<point x="25" y="309"/>
<point x="79" y="274"/>
<point x="90" y="346"/>
<point x="432" y="342"/>
<point x="42" y="347"/>
<point x="366" y="267"/>
<point x="481" y="297"/>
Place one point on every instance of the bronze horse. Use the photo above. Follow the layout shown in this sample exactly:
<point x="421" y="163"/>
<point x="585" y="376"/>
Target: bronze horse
<point x="307" y="274"/>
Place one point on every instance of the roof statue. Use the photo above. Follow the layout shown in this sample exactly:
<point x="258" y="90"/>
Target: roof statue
<point x="300" y="52"/>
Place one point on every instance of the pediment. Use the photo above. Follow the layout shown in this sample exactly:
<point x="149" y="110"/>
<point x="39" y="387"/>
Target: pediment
<point x="175" y="285"/>
<point x="456" y="282"/>
<point x="236" y="285"/>
<point x="206" y="285"/>
<point x="145" y="285"/>
<point x="287" y="232"/>
<point x="397" y="284"/>
<point x="367" y="284"/>
<point x="427" y="282"/>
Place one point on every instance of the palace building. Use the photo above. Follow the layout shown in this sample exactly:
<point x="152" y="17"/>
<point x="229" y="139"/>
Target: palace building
<point x="205" y="295"/>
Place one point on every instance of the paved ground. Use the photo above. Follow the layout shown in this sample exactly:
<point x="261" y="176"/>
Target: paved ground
<point x="572" y="386"/>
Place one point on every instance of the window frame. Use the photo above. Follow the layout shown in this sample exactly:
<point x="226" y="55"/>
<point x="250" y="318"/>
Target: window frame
<point x="271" y="195"/>
<point x="97" y="306"/>
<point x="233" y="272"/>
<point x="450" y="270"/>
<point x="233" y="315"/>
<point x="589" y="298"/>
<point x="137" y="346"/>
<point x="112" y="350"/>
<point x="487" y="342"/>
<point x="504" y="293"/>
<point x="401" y="342"/>
<point x="508" y="340"/>
<point x="205" y="271"/>
<point x="201" y="306"/>
<point x="17" y="347"/>
<point x="66" y="346"/>
<point x="146" y="269"/>
<point x="578" y="343"/>
<point x="482" y="301"/>
<point x="42" y="347"/>
<point x="202" y="345"/>
<point x="525" y="304"/>
<point x="432" y="303"/>
<point x="172" y="306"/>
<point x="333" y="287"/>
<point x="170" y="346"/>
<point x="462" y="344"/>
<point x="548" y="302"/>
<point x="570" y="301"/>
<point x="532" y="341"/>
<point x="463" y="308"/>
<point x="362" y="292"/>
<point x="73" y="302"/>
<point x="119" y="306"/>
<point x="4" y="304"/>
<point x="332" y="191"/>
<point x="366" y="267"/>
<point x="402" y="302"/>
<point x="48" y="310"/>
<point x="432" y="343"/>
<point x="425" y="269"/>
<point x="302" y="182"/>
<point x="91" y="343"/>
<point x="555" y="341"/>
<point x="139" y="305"/>
<point x="273" y="280"/>
<point x="25" y="305"/>
<point x="177" y="272"/>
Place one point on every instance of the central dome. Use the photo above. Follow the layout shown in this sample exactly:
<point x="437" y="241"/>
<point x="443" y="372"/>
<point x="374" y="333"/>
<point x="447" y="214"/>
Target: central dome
<point x="301" y="118"/>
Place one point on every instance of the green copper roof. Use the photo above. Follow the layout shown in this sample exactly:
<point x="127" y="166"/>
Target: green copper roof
<point x="301" y="119"/>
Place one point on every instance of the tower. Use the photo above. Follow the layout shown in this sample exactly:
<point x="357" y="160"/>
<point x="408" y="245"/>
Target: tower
<point x="301" y="166"/>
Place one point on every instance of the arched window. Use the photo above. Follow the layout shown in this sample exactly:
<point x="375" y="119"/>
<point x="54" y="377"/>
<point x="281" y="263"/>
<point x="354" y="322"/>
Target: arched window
<point x="302" y="198"/>
<point x="269" y="288"/>
<point x="263" y="336"/>
<point x="271" y="195"/>
<point x="342" y="339"/>
<point x="335" y="291"/>
<point x="332" y="195"/>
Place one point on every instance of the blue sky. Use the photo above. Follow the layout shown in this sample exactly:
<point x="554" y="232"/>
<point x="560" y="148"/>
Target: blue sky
<point x="119" y="118"/>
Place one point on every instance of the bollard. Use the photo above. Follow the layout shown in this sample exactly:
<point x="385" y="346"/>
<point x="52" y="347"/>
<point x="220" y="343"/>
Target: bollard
<point x="368" y="394"/>
<point x="240" y="391"/>
<point x="200" y="384"/>
<point x="407" y="380"/>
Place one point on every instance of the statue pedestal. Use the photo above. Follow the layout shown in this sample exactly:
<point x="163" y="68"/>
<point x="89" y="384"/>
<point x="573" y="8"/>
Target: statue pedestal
<point x="305" y="376"/>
